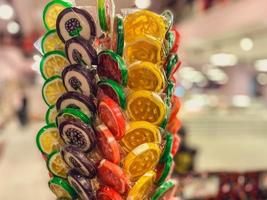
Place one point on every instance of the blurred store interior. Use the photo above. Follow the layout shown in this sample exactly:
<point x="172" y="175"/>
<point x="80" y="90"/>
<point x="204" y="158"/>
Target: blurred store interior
<point x="222" y="84"/>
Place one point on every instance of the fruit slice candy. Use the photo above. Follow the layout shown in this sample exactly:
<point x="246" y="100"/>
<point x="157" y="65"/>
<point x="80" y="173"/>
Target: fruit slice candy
<point x="77" y="101"/>
<point x="174" y="125"/>
<point x="81" y="185"/>
<point x="106" y="13"/>
<point x="51" y="12"/>
<point x="51" y="114"/>
<point x="51" y="42"/>
<point x="175" y="144"/>
<point x="78" y="134"/>
<point x="142" y="24"/>
<point x="142" y="187"/>
<point x="73" y="22"/>
<point x="172" y="65"/>
<point x="114" y="91"/>
<point x="80" y="51"/>
<point x="107" y="144"/>
<point x="146" y="76"/>
<point x="140" y="132"/>
<point x="53" y="64"/>
<point x="61" y="188"/>
<point x="52" y="89"/>
<point x="168" y="18"/>
<point x="111" y="115"/>
<point x="141" y="159"/>
<point x="56" y="165"/>
<point x="76" y="159"/>
<point x="112" y="175"/>
<point x="72" y="113"/>
<point x="117" y="42"/>
<point x="163" y="170"/>
<point x="167" y="148"/>
<point x="176" y="105"/>
<point x="164" y="189"/>
<point x="145" y="49"/>
<point x="107" y="193"/>
<point x="112" y="66"/>
<point x="144" y="105"/>
<point x="48" y="139"/>
<point x="78" y="78"/>
<point x="176" y="44"/>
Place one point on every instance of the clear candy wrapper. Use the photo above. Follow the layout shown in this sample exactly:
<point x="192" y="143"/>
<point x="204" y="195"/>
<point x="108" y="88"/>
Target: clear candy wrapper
<point x="111" y="108"/>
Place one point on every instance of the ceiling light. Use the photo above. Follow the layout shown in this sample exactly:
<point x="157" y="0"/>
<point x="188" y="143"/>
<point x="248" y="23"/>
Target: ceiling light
<point x="217" y="75"/>
<point x="261" y="65"/>
<point x="241" y="101"/>
<point x="142" y="4"/>
<point x="223" y="59"/>
<point x="13" y="27"/>
<point x="262" y="79"/>
<point x="6" y="12"/>
<point x="246" y="44"/>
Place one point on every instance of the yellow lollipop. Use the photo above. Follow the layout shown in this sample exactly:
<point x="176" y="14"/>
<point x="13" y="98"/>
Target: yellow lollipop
<point x="140" y="132"/>
<point x="142" y="187"/>
<point x="145" y="75"/>
<point x="144" y="105"/>
<point x="142" y="24"/>
<point x="145" y="49"/>
<point x="141" y="159"/>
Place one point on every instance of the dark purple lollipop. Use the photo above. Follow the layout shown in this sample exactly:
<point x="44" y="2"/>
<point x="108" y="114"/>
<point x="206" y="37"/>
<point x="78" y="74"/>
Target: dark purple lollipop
<point x="73" y="22"/>
<point x="76" y="133"/>
<point x="81" y="185"/>
<point x="79" y="78"/>
<point x="80" y="51"/>
<point x="78" y="101"/>
<point x="74" y="158"/>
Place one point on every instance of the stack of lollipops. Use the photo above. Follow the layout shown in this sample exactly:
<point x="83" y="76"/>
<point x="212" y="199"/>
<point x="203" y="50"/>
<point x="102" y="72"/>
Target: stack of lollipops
<point x="112" y="116"/>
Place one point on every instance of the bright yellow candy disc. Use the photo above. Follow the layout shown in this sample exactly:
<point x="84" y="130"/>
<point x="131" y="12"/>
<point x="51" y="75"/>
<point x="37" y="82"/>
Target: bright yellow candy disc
<point x="51" y="42"/>
<point x="146" y="76"/>
<point x="142" y="187"/>
<point x="140" y="132"/>
<point x="144" y="105"/>
<point x="52" y="11"/>
<point x="53" y="64"/>
<point x="144" y="23"/>
<point x="52" y="90"/>
<point x="141" y="159"/>
<point x="146" y="49"/>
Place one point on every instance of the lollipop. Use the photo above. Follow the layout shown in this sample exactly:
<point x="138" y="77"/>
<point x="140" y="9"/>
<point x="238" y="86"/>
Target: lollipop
<point x="111" y="116"/>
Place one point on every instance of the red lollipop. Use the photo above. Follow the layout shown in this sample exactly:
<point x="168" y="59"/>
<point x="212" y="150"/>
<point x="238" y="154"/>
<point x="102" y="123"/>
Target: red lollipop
<point x="107" y="193"/>
<point x="107" y="144"/>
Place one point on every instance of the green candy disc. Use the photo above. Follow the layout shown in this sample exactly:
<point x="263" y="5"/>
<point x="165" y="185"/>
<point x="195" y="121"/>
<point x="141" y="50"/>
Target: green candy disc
<point x="48" y="139"/>
<point x="67" y="113"/>
<point x="168" y="18"/>
<point x="114" y="91"/>
<point x="162" y="190"/>
<point x="50" y="116"/>
<point x="51" y="12"/>
<point x="106" y="13"/>
<point x="112" y="66"/>
<point x="165" y="170"/>
<point x="56" y="60"/>
<point x="167" y="148"/>
<point x="61" y="188"/>
<point x="54" y="170"/>
<point x="51" y="42"/>
<point x="171" y="64"/>
<point x="118" y="35"/>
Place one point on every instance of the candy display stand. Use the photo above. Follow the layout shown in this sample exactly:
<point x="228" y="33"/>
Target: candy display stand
<point x="111" y="118"/>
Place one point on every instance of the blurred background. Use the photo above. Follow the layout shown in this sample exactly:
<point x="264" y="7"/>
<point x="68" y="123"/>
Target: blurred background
<point x="222" y="84"/>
